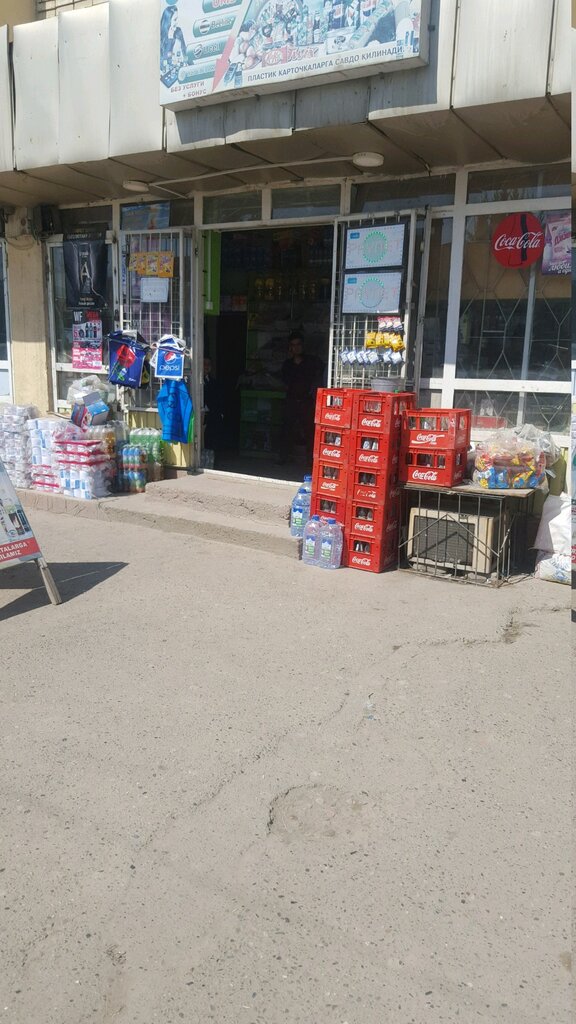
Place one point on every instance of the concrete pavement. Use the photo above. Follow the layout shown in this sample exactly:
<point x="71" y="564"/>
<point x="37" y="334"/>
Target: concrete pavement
<point x="241" y="791"/>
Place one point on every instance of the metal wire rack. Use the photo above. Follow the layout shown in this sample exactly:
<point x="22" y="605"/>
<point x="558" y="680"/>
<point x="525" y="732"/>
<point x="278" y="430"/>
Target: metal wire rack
<point x="465" y="534"/>
<point x="348" y="330"/>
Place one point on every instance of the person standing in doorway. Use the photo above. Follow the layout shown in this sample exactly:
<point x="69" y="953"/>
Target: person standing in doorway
<point x="212" y="410"/>
<point x="302" y="375"/>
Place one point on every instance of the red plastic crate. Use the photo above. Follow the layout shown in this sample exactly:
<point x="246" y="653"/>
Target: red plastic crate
<point x="334" y="406"/>
<point x="372" y="451"/>
<point x="370" y="555"/>
<point x="330" y="479"/>
<point x="329" y="507"/>
<point x="368" y="520"/>
<point x="332" y="444"/>
<point x="377" y="411"/>
<point x="377" y="485"/>
<point x="443" y="468"/>
<point x="436" y="428"/>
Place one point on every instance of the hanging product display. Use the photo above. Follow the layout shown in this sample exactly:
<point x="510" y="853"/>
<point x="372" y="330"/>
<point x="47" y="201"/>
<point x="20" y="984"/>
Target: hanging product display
<point x="128" y="351"/>
<point x="168" y="358"/>
<point x="176" y="412"/>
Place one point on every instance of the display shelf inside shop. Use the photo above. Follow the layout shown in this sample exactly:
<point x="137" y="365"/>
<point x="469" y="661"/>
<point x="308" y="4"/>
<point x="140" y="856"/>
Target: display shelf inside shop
<point x="467" y="533"/>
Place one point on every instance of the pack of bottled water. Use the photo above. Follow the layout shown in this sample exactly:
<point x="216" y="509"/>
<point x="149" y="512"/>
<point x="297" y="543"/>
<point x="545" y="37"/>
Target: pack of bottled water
<point x="15" y="444"/>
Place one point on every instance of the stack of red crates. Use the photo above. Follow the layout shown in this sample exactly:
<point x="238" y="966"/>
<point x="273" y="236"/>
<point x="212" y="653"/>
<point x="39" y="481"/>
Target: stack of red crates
<point x="355" y="477"/>
<point x="435" y="446"/>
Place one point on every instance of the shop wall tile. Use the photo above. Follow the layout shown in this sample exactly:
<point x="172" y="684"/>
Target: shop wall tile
<point x="135" y="113"/>
<point x="36" y="125"/>
<point x="83" y="54"/>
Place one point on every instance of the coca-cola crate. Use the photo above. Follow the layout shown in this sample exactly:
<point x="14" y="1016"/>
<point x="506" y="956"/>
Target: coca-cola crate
<point x="436" y="428"/>
<point x="441" y="468"/>
<point x="373" y="451"/>
<point x="330" y="480"/>
<point x="329" y="507"/>
<point x="381" y="412"/>
<point x="364" y="519"/>
<point x="334" y="406"/>
<point x="332" y="444"/>
<point x="370" y="555"/>
<point x="375" y="485"/>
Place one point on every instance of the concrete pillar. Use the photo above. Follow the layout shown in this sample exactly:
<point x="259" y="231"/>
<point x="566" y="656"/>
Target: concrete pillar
<point x="31" y="372"/>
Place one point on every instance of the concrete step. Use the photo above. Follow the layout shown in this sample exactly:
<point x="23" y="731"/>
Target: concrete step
<point x="172" y="517"/>
<point x="227" y="494"/>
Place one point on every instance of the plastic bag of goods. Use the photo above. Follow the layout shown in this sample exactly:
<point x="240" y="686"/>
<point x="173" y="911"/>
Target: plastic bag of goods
<point x="507" y="459"/>
<point x="150" y="440"/>
<point x="15" y="445"/>
<point x="554" y="540"/>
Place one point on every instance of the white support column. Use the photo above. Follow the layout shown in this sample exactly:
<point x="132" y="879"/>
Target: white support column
<point x="454" y="288"/>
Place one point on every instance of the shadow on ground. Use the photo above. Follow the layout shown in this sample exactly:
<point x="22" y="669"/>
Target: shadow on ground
<point x="71" y="578"/>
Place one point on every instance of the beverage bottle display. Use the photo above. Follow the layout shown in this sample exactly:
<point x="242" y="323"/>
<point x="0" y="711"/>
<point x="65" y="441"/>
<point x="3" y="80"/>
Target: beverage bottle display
<point x="331" y="543"/>
<point x="311" y="541"/>
<point x="299" y="513"/>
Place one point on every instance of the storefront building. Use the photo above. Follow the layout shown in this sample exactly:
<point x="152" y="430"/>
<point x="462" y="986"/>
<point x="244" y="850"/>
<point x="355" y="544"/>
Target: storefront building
<point x="255" y="190"/>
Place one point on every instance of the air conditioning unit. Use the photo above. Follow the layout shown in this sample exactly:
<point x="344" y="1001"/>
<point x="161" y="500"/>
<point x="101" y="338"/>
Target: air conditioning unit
<point x="455" y="540"/>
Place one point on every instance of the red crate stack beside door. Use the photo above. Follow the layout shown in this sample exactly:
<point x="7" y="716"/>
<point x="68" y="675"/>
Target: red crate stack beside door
<point x="355" y="472"/>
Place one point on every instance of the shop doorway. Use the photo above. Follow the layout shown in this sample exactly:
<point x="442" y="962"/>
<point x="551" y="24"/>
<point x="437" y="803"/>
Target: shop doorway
<point x="273" y="283"/>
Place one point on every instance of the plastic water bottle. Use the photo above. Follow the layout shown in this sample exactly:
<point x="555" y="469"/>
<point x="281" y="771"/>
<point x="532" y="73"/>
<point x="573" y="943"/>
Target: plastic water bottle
<point x="331" y="542"/>
<point x="311" y="542"/>
<point x="299" y="513"/>
<point x="307" y="485"/>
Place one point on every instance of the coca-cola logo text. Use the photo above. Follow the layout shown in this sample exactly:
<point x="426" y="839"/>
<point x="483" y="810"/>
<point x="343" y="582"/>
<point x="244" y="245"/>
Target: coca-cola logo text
<point x="529" y="240"/>
<point x="328" y="485"/>
<point x="367" y="458"/>
<point x="426" y="438"/>
<point x="429" y="474"/>
<point x="367" y="422"/>
<point x="364" y="527"/>
<point x="332" y="453"/>
<point x="359" y="561"/>
<point x="334" y="417"/>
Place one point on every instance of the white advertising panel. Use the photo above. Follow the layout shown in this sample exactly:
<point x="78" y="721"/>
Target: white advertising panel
<point x="212" y="49"/>
<point x="372" y="293"/>
<point x="375" y="247"/>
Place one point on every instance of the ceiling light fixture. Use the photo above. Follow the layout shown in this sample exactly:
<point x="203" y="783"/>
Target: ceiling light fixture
<point x="135" y="186"/>
<point x="366" y="160"/>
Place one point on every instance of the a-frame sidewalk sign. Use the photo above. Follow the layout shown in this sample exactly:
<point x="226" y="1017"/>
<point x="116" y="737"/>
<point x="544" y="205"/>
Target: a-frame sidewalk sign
<point x="17" y="540"/>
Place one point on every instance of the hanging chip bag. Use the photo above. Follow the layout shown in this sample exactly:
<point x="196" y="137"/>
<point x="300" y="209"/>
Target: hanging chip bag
<point x="128" y="353"/>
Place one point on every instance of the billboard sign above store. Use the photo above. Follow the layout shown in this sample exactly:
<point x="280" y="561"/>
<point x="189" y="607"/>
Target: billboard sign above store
<point x="225" y="49"/>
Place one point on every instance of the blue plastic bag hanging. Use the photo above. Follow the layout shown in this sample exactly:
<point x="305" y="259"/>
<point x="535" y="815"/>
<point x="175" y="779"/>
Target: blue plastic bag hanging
<point x="176" y="412"/>
<point x="128" y="352"/>
<point x="168" y="358"/>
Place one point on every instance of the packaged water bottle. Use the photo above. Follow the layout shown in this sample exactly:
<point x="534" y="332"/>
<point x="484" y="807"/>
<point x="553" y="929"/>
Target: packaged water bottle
<point x="299" y="513"/>
<point x="311" y="542"/>
<point x="307" y="485"/>
<point x="331" y="542"/>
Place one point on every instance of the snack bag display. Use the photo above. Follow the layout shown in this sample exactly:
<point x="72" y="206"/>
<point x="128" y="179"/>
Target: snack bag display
<point x="508" y="460"/>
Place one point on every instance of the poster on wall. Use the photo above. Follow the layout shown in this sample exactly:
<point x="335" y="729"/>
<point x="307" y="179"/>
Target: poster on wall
<point x="557" y="257"/>
<point x="372" y="293"/>
<point x="375" y="247"/>
<point x="86" y="341"/>
<point x="152" y="264"/>
<point x="144" y="216"/>
<point x="214" y="48"/>
<point x="17" y="540"/>
<point x="85" y="270"/>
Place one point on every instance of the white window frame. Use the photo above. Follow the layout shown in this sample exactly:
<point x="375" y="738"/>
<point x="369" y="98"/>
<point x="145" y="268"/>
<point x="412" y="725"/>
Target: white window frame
<point x="6" y="364"/>
<point x="449" y="383"/>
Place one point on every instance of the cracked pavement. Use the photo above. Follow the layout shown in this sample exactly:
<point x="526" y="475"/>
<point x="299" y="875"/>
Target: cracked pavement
<point x="202" y="823"/>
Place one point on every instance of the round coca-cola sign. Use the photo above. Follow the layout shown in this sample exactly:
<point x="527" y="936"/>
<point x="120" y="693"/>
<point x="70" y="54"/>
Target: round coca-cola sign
<point x="518" y="240"/>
